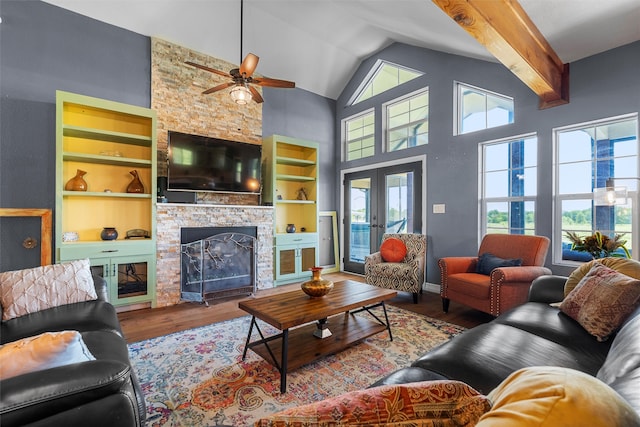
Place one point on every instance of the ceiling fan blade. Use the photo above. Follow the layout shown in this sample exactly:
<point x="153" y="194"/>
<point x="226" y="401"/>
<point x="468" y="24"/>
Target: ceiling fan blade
<point x="255" y="94"/>
<point x="263" y="81"/>
<point x="217" y="88"/>
<point x="204" y="67"/>
<point x="249" y="65"/>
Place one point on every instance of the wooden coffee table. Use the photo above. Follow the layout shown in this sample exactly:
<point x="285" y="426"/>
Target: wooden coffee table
<point x="314" y="327"/>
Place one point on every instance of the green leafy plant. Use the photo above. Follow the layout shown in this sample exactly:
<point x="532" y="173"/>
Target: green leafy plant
<point x="599" y="245"/>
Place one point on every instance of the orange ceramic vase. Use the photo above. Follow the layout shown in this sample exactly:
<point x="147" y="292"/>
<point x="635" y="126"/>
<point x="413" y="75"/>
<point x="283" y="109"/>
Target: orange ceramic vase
<point x="77" y="183"/>
<point x="135" y="186"/>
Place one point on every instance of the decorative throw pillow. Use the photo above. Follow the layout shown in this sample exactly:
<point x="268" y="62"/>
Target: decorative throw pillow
<point x="488" y="262"/>
<point x="602" y="300"/>
<point x="35" y="289"/>
<point x="630" y="267"/>
<point x="428" y="403"/>
<point x="393" y="250"/>
<point x="555" y="396"/>
<point x="44" y="351"/>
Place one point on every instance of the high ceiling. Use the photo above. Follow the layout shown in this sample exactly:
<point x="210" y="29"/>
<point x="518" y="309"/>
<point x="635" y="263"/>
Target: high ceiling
<point x="320" y="43"/>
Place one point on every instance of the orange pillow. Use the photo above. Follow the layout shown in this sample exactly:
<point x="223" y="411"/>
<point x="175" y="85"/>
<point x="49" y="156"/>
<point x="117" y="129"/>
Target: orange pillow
<point x="393" y="250"/>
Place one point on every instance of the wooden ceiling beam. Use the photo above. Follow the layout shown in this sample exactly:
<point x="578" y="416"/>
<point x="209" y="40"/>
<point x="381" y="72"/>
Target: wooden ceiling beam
<point x="505" y="29"/>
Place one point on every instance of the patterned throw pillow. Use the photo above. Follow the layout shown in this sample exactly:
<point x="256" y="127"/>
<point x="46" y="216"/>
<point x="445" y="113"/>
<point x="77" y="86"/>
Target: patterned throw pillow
<point x="554" y="396"/>
<point x="429" y="403"/>
<point x="44" y="351"/>
<point x="393" y="250"/>
<point x="35" y="289"/>
<point x="602" y="300"/>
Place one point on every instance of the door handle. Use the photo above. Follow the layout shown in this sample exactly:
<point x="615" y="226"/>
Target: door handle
<point x="373" y="225"/>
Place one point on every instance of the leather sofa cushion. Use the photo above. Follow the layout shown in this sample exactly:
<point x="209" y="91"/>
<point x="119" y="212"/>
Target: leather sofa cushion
<point x="487" y="354"/>
<point x="86" y="316"/>
<point x="550" y="323"/>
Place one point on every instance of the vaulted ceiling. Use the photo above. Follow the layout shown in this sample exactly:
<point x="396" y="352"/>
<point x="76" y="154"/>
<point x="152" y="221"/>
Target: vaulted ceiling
<point x="319" y="43"/>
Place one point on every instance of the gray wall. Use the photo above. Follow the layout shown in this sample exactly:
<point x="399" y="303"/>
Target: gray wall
<point x="604" y="85"/>
<point x="44" y="48"/>
<point x="301" y="114"/>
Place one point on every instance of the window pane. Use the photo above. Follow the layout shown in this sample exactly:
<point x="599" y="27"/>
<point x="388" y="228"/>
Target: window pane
<point x="498" y="215"/>
<point x="359" y="136"/>
<point x="496" y="184"/>
<point x="575" y="178"/>
<point x="574" y="146"/>
<point x="383" y="77"/>
<point x="479" y="109"/>
<point x="408" y="122"/>
<point x="530" y="181"/>
<point x="496" y="157"/>
<point x="499" y="111"/>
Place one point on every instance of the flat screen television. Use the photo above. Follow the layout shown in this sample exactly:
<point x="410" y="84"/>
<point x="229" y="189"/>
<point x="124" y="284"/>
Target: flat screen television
<point x="200" y="163"/>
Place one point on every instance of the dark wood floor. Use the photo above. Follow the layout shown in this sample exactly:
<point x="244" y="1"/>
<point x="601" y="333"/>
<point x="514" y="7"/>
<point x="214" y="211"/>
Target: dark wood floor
<point x="143" y="324"/>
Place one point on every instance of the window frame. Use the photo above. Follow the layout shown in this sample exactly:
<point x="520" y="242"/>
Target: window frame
<point x="345" y="140"/>
<point x="633" y="200"/>
<point x="459" y="104"/>
<point x="397" y="101"/>
<point x="484" y="200"/>
<point x="371" y="76"/>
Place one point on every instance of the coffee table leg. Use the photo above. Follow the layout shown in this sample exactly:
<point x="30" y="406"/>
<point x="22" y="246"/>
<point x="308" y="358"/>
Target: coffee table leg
<point x="246" y="344"/>
<point x="283" y="364"/>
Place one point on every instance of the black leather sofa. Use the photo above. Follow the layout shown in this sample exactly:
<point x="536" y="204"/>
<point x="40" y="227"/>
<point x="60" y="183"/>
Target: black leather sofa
<point x="533" y="334"/>
<point x="101" y="392"/>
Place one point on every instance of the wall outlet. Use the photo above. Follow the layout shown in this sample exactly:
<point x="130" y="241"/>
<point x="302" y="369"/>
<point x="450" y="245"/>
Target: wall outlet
<point x="438" y="208"/>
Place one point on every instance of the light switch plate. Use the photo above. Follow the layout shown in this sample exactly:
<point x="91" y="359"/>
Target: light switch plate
<point x="438" y="208"/>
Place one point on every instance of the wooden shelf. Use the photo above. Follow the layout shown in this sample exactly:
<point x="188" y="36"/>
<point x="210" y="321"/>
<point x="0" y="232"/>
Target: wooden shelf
<point x="304" y="348"/>
<point x="296" y="178"/>
<point x="106" y="160"/>
<point x="299" y="202"/>
<point x="105" y="135"/>
<point x="105" y="194"/>
<point x="293" y="161"/>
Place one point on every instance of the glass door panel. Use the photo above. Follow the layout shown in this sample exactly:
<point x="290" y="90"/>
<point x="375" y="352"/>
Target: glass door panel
<point x="378" y="201"/>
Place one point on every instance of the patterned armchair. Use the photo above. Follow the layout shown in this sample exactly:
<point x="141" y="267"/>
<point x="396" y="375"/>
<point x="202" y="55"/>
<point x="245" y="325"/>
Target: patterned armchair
<point x="501" y="288"/>
<point x="405" y="276"/>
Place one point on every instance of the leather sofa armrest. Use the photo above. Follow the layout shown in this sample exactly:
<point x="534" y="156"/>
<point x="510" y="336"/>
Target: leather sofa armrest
<point x="547" y="289"/>
<point x="37" y="395"/>
<point x="101" y="288"/>
<point x="527" y="273"/>
<point x="454" y="265"/>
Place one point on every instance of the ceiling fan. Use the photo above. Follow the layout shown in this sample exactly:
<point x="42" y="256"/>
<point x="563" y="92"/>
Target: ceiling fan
<point x="242" y="77"/>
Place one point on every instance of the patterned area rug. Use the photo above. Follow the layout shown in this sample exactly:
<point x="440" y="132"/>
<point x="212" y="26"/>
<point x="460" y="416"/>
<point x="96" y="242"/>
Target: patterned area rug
<point x="198" y="377"/>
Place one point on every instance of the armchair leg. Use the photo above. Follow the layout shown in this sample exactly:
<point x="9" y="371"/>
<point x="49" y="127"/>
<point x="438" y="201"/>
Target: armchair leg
<point x="415" y="297"/>
<point x="445" y="305"/>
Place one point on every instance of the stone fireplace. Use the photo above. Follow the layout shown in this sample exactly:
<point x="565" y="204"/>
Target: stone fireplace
<point x="173" y="217"/>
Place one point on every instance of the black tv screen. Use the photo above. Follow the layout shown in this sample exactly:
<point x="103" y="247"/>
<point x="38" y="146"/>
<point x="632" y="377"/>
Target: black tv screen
<point x="200" y="163"/>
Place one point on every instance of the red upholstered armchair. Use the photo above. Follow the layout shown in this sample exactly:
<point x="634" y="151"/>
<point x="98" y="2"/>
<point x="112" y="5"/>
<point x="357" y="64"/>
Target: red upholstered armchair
<point x="502" y="288"/>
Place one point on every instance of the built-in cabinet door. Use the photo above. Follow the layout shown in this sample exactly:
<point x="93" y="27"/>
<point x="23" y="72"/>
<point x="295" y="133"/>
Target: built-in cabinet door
<point x="128" y="278"/>
<point x="293" y="262"/>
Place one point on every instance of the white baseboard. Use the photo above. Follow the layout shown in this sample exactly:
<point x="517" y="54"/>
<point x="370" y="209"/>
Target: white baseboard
<point x="431" y="287"/>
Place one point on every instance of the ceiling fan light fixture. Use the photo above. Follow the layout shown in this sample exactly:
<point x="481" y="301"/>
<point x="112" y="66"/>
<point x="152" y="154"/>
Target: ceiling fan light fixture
<point x="241" y="94"/>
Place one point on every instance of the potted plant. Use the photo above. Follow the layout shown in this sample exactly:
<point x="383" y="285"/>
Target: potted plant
<point x="599" y="245"/>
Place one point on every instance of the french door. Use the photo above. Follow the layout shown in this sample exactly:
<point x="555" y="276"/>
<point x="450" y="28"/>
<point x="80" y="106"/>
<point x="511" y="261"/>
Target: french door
<point x="378" y="201"/>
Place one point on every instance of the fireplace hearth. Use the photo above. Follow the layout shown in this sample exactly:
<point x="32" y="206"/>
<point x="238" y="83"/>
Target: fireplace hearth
<point x="217" y="262"/>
